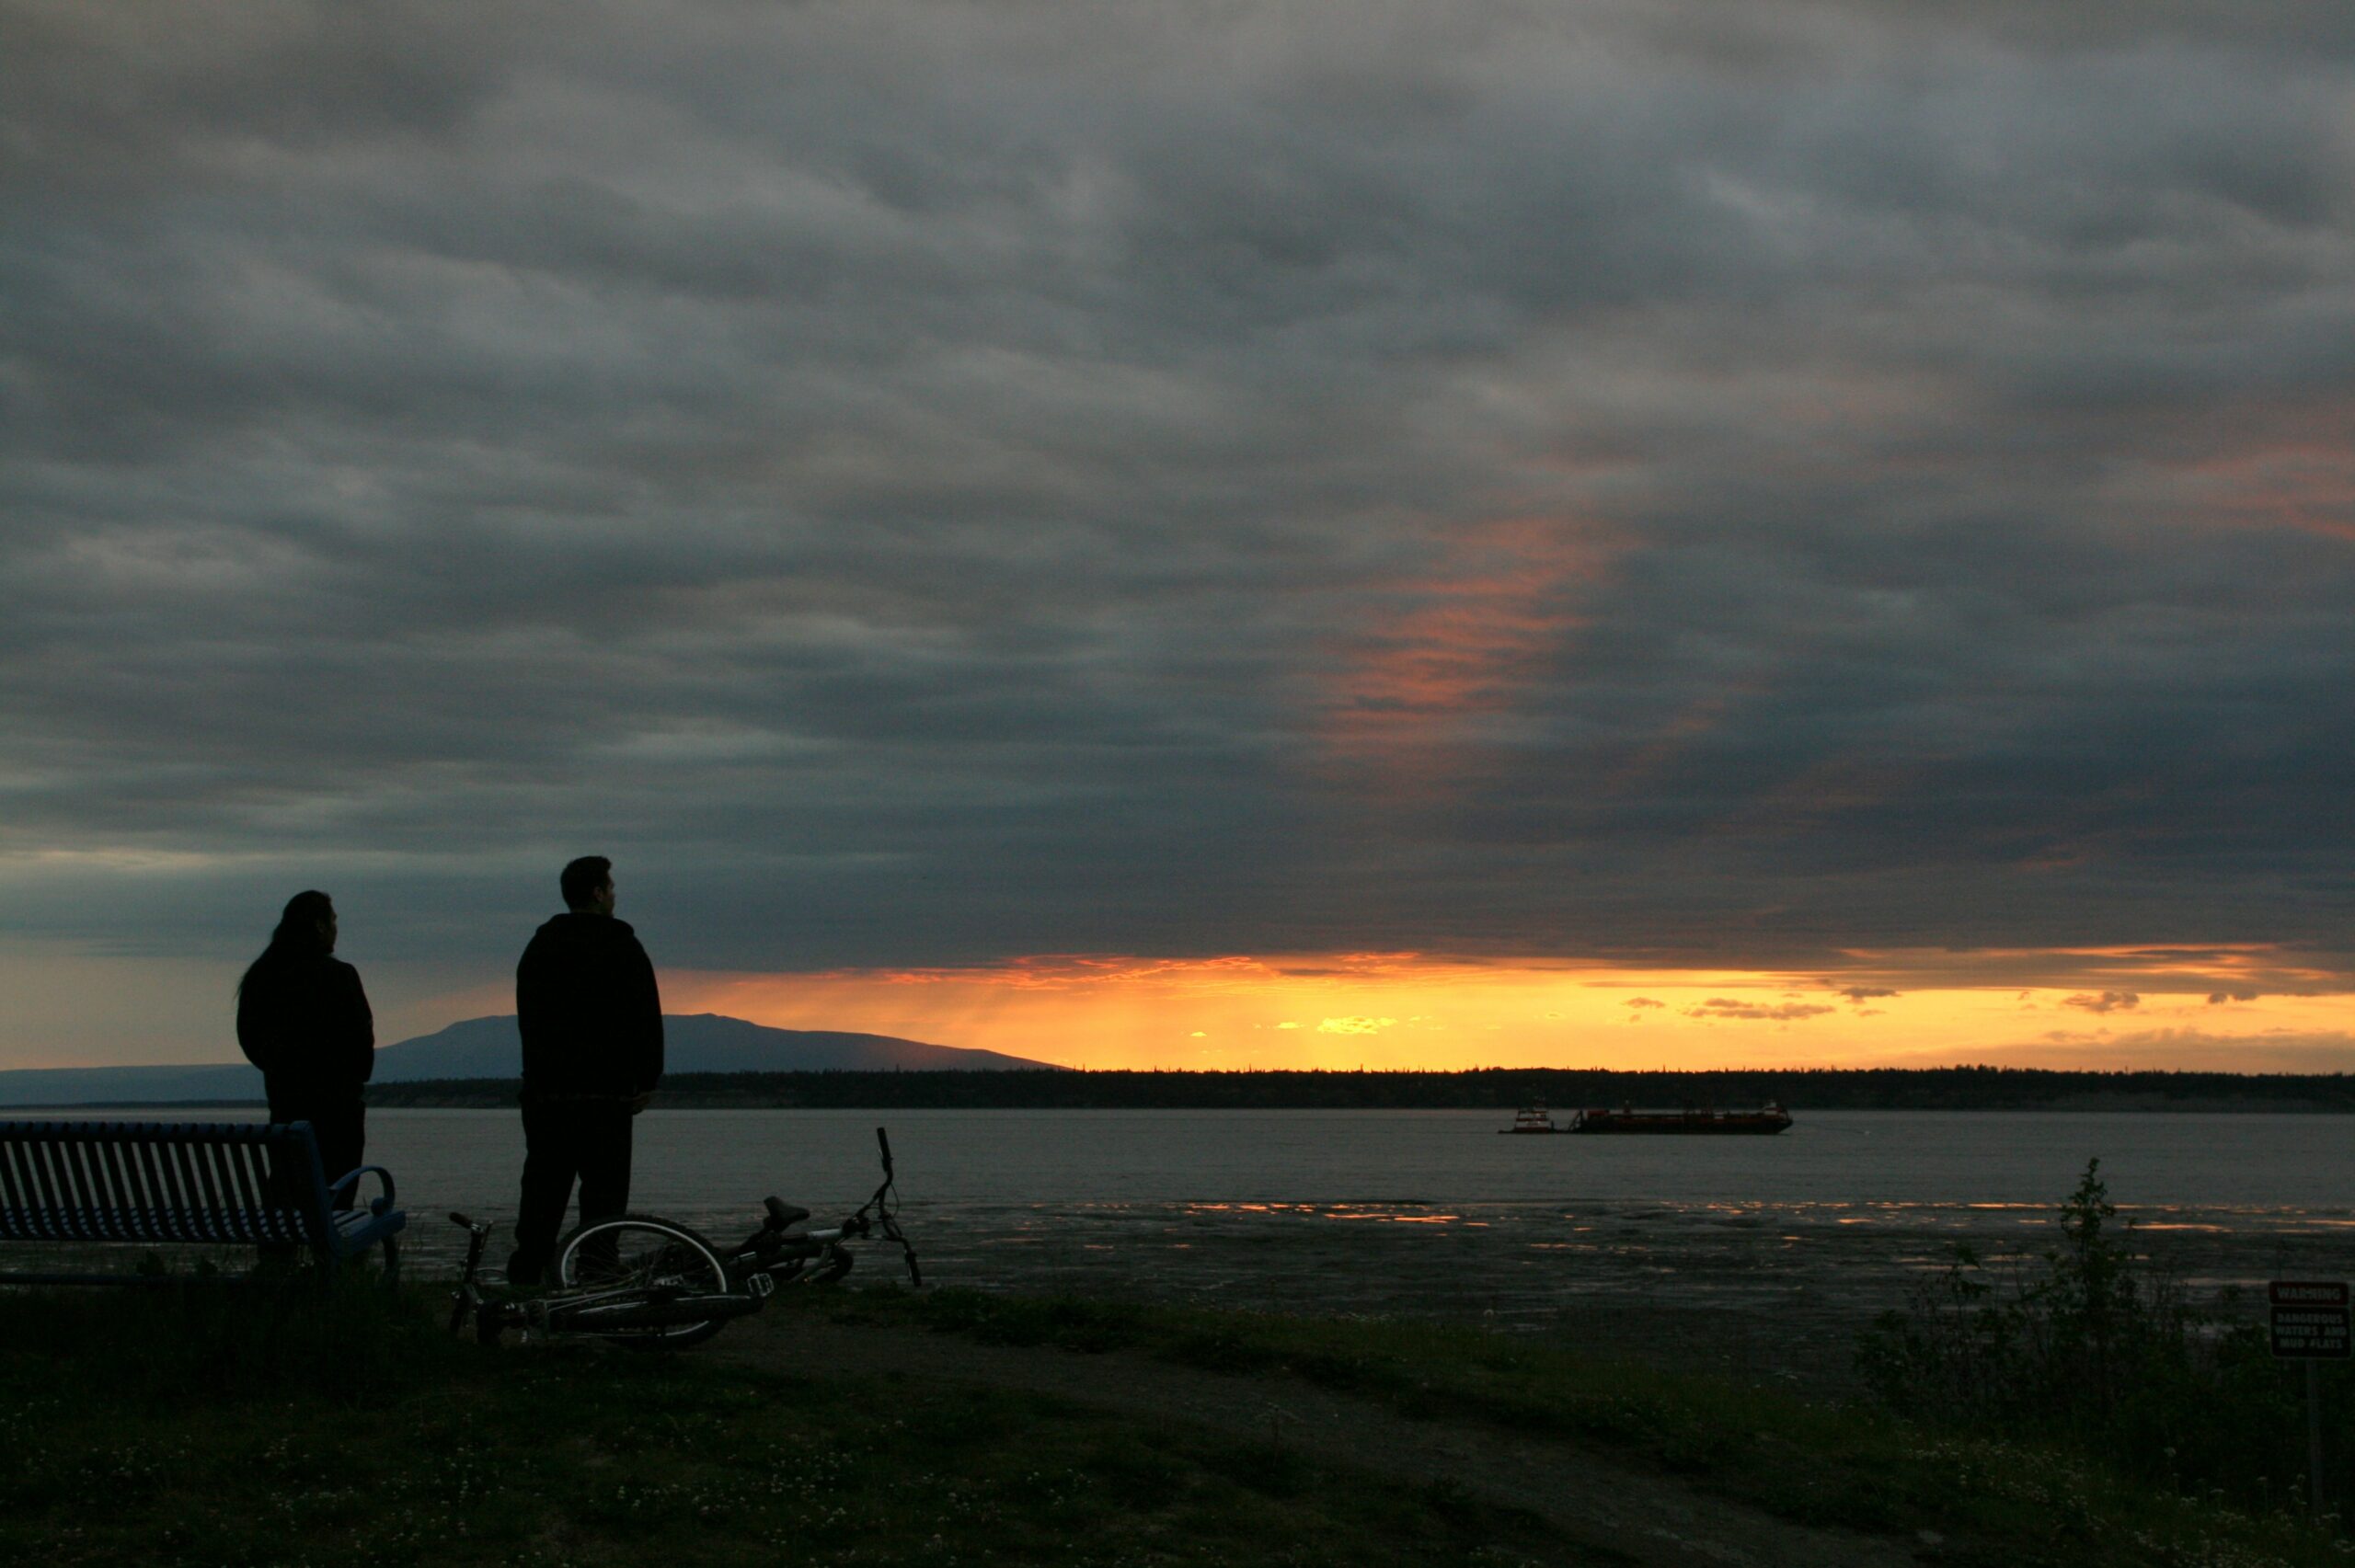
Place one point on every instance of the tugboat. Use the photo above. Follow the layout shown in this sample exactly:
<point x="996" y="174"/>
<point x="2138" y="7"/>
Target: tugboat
<point x="1768" y="1121"/>
<point x="1531" y="1118"/>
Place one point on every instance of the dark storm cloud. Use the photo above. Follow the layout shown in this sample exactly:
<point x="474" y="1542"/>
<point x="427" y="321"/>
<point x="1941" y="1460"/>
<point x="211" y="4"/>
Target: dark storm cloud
<point x="924" y="484"/>
<point x="1773" y="1013"/>
<point x="2106" y="1002"/>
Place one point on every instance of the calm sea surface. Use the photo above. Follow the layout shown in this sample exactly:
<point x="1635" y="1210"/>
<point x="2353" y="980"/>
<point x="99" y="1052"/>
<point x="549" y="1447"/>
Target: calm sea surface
<point x="1763" y="1254"/>
<point x="724" y="1161"/>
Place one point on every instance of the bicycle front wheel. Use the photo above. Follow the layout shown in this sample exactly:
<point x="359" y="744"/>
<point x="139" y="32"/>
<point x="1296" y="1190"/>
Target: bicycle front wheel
<point x="641" y="1254"/>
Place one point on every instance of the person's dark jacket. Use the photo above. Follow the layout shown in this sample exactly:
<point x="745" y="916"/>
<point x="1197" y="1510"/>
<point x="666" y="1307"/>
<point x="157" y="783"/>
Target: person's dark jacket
<point x="588" y="1010"/>
<point x="302" y="1019"/>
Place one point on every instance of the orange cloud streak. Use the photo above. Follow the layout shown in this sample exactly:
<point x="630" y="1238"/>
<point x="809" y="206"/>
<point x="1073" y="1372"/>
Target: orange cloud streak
<point x="2296" y="472"/>
<point x="1476" y="637"/>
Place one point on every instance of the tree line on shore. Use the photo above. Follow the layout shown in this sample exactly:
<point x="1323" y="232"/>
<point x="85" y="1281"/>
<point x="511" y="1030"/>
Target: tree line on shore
<point x="1914" y="1089"/>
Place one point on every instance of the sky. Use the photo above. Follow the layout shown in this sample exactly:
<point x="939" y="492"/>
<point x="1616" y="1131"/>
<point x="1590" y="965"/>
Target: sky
<point x="1194" y="534"/>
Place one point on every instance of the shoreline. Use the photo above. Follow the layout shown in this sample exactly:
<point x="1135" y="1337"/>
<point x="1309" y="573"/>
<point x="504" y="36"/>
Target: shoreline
<point x="503" y="1098"/>
<point x="1497" y="1091"/>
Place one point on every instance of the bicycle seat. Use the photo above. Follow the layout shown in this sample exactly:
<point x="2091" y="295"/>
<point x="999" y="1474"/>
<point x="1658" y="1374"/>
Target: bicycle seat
<point x="782" y="1214"/>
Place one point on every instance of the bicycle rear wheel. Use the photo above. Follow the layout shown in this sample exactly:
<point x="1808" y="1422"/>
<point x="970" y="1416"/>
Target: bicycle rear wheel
<point x="660" y="1257"/>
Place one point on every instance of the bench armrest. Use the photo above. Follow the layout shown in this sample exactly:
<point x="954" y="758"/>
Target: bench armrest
<point x="382" y="1204"/>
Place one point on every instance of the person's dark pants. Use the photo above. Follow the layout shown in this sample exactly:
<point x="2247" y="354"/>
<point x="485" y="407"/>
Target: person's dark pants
<point x="339" y="1130"/>
<point x="565" y="1140"/>
<point x="341" y="1133"/>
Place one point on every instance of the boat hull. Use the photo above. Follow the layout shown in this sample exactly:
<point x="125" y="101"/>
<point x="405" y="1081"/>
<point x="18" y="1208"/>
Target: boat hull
<point x="1681" y="1124"/>
<point x="1630" y="1129"/>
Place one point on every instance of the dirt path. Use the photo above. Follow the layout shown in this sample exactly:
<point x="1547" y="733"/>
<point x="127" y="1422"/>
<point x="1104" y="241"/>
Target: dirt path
<point x="1601" y="1511"/>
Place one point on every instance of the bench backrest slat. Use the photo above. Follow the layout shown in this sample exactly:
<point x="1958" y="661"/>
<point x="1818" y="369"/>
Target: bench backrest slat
<point x="221" y="1181"/>
<point x="151" y="1169"/>
<point x="120" y="1207"/>
<point x="251" y="1214"/>
<point x="13" y="1190"/>
<point x="74" y="1162"/>
<point x="55" y="1184"/>
<point x="197" y="1157"/>
<point x="24" y="1177"/>
<point x="17" y="1166"/>
<point x="130" y="1186"/>
<point x="189" y="1198"/>
<point x="98" y="1179"/>
<point x="221" y="1186"/>
<point x="37" y="1184"/>
<point x="130" y="1182"/>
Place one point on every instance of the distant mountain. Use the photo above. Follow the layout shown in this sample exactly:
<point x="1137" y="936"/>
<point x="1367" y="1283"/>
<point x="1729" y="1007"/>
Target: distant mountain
<point x="489" y="1047"/>
<point x="700" y="1042"/>
<point x="128" y="1086"/>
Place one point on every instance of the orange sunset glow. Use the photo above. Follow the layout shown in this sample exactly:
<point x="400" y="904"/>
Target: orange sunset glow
<point x="2213" y="1009"/>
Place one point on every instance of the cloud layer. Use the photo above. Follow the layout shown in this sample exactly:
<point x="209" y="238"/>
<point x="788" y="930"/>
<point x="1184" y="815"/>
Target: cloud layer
<point x="922" y="484"/>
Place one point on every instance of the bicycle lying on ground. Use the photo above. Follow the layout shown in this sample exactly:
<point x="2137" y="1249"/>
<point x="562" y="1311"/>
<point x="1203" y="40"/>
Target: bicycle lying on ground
<point x="654" y="1284"/>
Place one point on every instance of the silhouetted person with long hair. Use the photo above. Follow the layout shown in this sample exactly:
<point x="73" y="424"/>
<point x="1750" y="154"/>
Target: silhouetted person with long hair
<point x="302" y="1019"/>
<point x="591" y="1022"/>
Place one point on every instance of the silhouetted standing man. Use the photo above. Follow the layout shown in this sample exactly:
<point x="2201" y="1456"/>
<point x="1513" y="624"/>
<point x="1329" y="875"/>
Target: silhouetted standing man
<point x="591" y="1022"/>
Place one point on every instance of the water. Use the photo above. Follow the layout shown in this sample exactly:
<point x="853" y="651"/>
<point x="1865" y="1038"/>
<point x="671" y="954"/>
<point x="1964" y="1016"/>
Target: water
<point x="705" y="1160"/>
<point x="722" y="1160"/>
<point x="1758" y="1253"/>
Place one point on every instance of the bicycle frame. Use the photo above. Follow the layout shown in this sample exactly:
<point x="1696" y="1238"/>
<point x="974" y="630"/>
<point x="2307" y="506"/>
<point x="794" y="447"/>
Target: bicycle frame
<point x="784" y="1255"/>
<point x="682" y="1304"/>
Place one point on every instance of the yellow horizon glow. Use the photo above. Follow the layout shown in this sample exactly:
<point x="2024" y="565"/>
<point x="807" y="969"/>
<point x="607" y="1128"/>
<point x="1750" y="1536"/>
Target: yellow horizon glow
<point x="2107" y="1009"/>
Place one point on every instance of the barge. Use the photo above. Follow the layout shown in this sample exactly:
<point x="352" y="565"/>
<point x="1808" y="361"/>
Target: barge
<point x="1768" y="1120"/>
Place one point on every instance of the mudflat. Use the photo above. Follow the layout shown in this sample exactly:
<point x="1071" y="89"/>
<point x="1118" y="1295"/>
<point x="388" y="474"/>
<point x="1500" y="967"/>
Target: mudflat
<point x="1757" y="1291"/>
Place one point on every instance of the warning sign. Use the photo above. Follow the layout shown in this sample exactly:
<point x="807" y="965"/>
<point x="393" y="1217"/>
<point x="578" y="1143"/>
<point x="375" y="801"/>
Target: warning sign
<point x="2309" y="1319"/>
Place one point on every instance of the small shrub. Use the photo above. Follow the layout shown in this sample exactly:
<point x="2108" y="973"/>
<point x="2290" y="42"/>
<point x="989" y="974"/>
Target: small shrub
<point x="2097" y="1346"/>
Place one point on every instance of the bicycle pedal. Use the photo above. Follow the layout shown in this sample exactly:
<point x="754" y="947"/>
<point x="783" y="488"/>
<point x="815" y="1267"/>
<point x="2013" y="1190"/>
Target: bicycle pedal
<point x="760" y="1284"/>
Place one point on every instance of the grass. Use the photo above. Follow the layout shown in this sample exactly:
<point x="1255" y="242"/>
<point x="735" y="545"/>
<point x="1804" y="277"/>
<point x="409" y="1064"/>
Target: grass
<point x="294" y="1425"/>
<point x="1968" y="1500"/>
<point x="291" y="1423"/>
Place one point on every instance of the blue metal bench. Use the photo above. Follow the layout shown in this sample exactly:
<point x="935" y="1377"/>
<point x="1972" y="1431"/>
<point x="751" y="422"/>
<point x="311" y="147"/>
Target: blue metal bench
<point x="228" y="1184"/>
